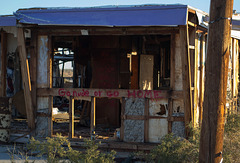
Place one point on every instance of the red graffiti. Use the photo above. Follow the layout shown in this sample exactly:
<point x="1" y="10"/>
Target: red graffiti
<point x="144" y="94"/>
<point x="156" y="94"/>
<point x="63" y="92"/>
<point x="112" y="93"/>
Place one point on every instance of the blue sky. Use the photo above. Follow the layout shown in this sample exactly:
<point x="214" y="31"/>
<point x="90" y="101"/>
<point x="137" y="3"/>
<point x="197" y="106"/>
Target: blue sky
<point x="9" y="6"/>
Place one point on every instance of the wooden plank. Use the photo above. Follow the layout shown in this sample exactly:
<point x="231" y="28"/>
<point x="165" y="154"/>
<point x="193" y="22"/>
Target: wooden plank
<point x="71" y="118"/>
<point x="186" y="75"/>
<point x="122" y="119"/>
<point x="201" y="87"/>
<point x="134" y="117"/>
<point x="73" y="31"/>
<point x="33" y="69"/>
<point x="192" y="47"/>
<point x="93" y="117"/>
<point x="26" y="78"/>
<point x="49" y="85"/>
<point x="50" y="122"/>
<point x="146" y="121"/>
<point x="50" y="60"/>
<point x="3" y="64"/>
<point x="196" y="83"/>
<point x="170" y="111"/>
<point x="109" y="93"/>
<point x="172" y="62"/>
<point x="192" y="24"/>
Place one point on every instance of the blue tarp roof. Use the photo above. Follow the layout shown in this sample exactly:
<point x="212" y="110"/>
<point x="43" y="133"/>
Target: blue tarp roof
<point x="144" y="15"/>
<point x="7" y="21"/>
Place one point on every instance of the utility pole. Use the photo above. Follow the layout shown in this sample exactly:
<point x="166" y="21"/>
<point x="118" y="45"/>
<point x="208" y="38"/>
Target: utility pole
<point x="219" y="36"/>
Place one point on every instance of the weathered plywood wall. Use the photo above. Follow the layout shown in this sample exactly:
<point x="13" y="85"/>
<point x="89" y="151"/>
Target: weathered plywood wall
<point x="158" y="128"/>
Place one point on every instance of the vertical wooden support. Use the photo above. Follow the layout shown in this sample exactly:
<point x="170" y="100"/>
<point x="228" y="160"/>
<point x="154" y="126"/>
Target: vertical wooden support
<point x="196" y="82"/>
<point x="237" y="76"/>
<point x="186" y="75"/>
<point x="50" y="123"/>
<point x="201" y="87"/>
<point x="49" y="85"/>
<point x="93" y="118"/>
<point x="33" y="70"/>
<point x="172" y="81"/>
<point x="3" y="64"/>
<point x="146" y="121"/>
<point x="172" y="62"/>
<point x="122" y="119"/>
<point x="170" y="112"/>
<point x="219" y="34"/>
<point x="26" y="78"/>
<point x="71" y="117"/>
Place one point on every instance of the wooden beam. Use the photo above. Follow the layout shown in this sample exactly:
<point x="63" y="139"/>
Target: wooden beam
<point x="76" y="31"/>
<point x="192" y="24"/>
<point x="196" y="82"/>
<point x="33" y="69"/>
<point x="26" y="78"/>
<point x="186" y="75"/>
<point x="170" y="112"/>
<point x="201" y="87"/>
<point x="3" y="64"/>
<point x="192" y="47"/>
<point x="49" y="85"/>
<point x="146" y="121"/>
<point x="218" y="50"/>
<point x="93" y="117"/>
<point x="50" y="122"/>
<point x="172" y="62"/>
<point x="85" y="93"/>
<point x="122" y="119"/>
<point x="71" y="118"/>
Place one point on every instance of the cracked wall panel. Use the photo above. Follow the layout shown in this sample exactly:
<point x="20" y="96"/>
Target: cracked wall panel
<point x="158" y="107"/>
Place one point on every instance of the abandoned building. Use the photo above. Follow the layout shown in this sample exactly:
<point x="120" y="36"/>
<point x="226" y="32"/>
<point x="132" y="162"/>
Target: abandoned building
<point x="128" y="73"/>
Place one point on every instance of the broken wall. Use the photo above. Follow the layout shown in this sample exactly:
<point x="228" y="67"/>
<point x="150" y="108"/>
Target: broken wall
<point x="158" y="127"/>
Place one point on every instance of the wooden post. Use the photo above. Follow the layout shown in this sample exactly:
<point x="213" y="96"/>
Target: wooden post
<point x="93" y="118"/>
<point x="186" y="76"/>
<point x="3" y="64"/>
<point x="122" y="119"/>
<point x="170" y="112"/>
<point x="172" y="62"/>
<point x="146" y="121"/>
<point x="49" y="85"/>
<point x="201" y="87"/>
<point x="50" y="122"/>
<point x="71" y="117"/>
<point x="26" y="78"/>
<point x="211" y="142"/>
<point x="33" y="70"/>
